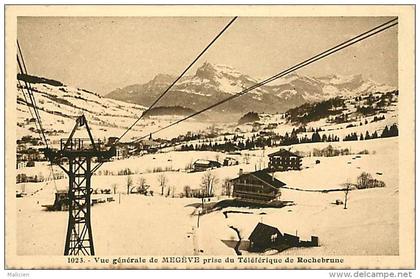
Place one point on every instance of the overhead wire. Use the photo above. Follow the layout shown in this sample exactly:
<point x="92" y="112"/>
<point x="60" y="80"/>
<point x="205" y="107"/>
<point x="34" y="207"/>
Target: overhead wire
<point x="22" y="67"/>
<point x="177" y="79"/>
<point x="378" y="29"/>
<point x="23" y="71"/>
<point x="170" y="86"/>
<point x="29" y="92"/>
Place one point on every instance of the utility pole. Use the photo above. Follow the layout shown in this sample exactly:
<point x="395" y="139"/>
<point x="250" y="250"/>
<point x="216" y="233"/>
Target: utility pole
<point x="346" y="194"/>
<point x="79" y="155"/>
<point x="202" y="210"/>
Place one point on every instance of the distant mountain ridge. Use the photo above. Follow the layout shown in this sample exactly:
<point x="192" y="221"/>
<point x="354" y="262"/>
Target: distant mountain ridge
<point x="212" y="83"/>
<point x="172" y="110"/>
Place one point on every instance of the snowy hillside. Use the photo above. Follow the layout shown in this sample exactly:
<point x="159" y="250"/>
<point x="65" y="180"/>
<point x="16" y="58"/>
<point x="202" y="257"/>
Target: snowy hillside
<point x="312" y="209"/>
<point x="372" y="213"/>
<point x="212" y="83"/>
<point x="60" y="105"/>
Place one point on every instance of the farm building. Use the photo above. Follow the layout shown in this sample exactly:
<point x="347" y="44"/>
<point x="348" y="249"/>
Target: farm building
<point x="257" y="187"/>
<point x="203" y="165"/>
<point x="284" y="160"/>
<point x="112" y="140"/>
<point x="61" y="202"/>
<point x="121" y="152"/>
<point x="20" y="164"/>
<point x="265" y="237"/>
<point x="228" y="161"/>
<point x="124" y="150"/>
<point x="149" y="145"/>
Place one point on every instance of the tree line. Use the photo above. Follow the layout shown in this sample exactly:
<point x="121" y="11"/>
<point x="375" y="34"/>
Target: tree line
<point x="392" y="131"/>
<point x="237" y="143"/>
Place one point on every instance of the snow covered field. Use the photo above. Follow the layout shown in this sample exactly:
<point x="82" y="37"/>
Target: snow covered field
<point x="140" y="225"/>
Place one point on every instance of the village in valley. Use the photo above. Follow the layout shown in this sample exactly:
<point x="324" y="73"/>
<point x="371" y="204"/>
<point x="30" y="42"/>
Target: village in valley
<point x="268" y="178"/>
<point x="317" y="178"/>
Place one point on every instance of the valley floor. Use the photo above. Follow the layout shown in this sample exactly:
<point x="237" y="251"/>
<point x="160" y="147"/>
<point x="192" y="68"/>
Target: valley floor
<point x="145" y="225"/>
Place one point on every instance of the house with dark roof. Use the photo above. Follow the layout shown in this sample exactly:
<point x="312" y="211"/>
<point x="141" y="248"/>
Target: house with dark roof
<point x="284" y="160"/>
<point x="265" y="237"/>
<point x="258" y="186"/>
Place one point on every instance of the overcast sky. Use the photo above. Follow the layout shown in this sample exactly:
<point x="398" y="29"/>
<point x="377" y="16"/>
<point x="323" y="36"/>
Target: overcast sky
<point x="101" y="54"/>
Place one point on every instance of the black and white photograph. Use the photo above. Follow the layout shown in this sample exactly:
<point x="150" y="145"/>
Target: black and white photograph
<point x="212" y="138"/>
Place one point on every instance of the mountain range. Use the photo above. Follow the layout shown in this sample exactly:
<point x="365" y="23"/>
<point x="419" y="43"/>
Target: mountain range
<point x="212" y="83"/>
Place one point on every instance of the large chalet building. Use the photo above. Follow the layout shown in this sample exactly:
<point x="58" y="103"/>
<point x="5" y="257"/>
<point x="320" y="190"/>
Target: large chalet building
<point x="256" y="187"/>
<point x="284" y="160"/>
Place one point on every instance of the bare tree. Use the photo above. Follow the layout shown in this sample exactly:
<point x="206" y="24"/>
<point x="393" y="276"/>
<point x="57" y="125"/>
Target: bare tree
<point x="163" y="181"/>
<point x="246" y="158"/>
<point x="168" y="191"/>
<point x="141" y="181"/>
<point x="363" y="180"/>
<point x="141" y="185"/>
<point x="187" y="191"/>
<point x="212" y="130"/>
<point x="189" y="166"/>
<point x="114" y="187"/>
<point x="129" y="183"/>
<point x="208" y="182"/>
<point x="226" y="187"/>
<point x="346" y="195"/>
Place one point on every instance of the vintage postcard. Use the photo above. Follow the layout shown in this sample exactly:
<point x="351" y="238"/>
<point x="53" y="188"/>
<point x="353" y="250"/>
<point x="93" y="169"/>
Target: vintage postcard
<point x="210" y="137"/>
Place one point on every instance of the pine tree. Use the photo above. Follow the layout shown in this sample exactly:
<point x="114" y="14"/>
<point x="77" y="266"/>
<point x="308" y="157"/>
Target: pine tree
<point x="316" y="137"/>
<point x="393" y="131"/>
<point x="385" y="132"/>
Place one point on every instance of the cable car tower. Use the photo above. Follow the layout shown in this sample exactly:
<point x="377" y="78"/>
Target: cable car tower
<point x="75" y="157"/>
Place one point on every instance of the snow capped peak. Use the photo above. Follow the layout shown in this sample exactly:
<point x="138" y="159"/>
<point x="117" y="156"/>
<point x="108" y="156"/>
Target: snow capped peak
<point x="292" y="75"/>
<point x="206" y="71"/>
<point x="210" y="71"/>
<point x="222" y="78"/>
<point x="227" y="70"/>
<point x="212" y="82"/>
<point x="162" y="78"/>
<point x="336" y="79"/>
<point x="285" y="79"/>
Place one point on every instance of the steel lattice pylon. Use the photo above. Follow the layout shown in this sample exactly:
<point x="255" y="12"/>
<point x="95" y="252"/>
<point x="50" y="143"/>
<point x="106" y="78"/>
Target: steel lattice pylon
<point x="79" y="239"/>
<point x="79" y="154"/>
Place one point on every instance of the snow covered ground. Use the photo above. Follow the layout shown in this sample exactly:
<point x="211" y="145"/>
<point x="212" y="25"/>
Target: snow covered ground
<point x="139" y="225"/>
